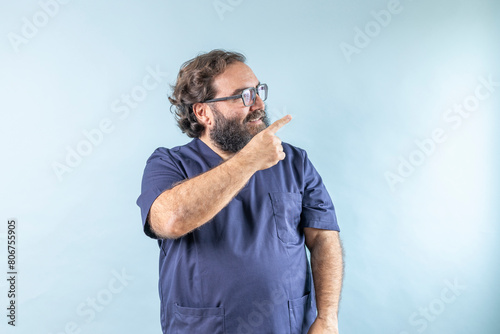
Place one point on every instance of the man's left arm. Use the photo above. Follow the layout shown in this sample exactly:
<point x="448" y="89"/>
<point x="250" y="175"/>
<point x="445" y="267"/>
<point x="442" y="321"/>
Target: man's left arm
<point x="327" y="269"/>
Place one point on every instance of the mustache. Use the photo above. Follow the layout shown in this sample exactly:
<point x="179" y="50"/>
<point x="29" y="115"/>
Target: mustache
<point x="255" y="115"/>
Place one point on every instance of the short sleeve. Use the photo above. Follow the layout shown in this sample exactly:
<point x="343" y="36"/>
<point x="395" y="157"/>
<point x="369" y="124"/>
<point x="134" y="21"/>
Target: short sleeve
<point x="317" y="207"/>
<point x="160" y="174"/>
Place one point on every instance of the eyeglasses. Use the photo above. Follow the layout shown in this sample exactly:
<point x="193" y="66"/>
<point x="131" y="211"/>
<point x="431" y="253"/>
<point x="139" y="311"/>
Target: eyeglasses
<point x="248" y="95"/>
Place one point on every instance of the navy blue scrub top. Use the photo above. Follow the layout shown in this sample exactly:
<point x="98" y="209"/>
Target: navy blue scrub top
<point x="246" y="270"/>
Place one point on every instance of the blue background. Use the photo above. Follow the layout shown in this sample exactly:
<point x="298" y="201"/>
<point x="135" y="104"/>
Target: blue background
<point x="65" y="69"/>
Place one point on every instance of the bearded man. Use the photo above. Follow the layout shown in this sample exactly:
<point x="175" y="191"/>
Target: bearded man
<point x="233" y="210"/>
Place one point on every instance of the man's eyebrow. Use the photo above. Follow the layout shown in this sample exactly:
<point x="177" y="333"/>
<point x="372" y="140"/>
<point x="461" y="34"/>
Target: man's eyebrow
<point x="239" y="90"/>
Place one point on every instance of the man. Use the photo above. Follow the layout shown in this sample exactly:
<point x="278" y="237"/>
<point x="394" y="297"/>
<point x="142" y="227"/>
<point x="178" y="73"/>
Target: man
<point x="232" y="211"/>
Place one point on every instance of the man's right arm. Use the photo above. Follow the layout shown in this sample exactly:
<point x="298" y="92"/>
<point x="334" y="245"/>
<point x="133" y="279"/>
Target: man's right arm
<point x="194" y="202"/>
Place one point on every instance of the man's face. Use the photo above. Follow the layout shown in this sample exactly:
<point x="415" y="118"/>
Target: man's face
<point x="234" y="124"/>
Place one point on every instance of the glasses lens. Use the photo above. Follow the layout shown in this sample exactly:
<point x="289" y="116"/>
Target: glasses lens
<point x="262" y="91"/>
<point x="248" y="96"/>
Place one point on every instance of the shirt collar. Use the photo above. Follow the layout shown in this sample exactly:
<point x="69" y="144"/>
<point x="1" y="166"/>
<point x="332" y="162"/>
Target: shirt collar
<point x="212" y="158"/>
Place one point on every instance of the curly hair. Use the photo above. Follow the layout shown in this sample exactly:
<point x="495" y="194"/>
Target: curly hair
<point x="195" y="84"/>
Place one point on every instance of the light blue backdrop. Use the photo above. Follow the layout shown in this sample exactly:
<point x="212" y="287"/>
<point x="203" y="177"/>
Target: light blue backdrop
<point x="396" y="102"/>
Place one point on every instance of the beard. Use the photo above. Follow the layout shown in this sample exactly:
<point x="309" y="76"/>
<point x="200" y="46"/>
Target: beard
<point x="230" y="135"/>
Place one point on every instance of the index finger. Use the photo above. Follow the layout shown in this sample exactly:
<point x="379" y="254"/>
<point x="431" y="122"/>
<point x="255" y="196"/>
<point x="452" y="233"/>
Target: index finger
<point x="273" y="128"/>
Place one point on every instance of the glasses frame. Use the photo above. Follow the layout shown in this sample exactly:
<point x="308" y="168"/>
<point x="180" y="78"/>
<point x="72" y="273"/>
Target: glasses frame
<point x="234" y="97"/>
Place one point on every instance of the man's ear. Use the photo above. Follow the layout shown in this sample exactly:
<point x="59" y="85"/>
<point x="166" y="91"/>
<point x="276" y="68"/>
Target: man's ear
<point x="203" y="113"/>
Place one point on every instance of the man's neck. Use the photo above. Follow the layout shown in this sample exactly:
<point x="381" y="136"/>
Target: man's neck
<point x="223" y="154"/>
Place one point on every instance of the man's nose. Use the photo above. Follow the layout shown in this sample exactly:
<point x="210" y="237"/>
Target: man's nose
<point x="258" y="105"/>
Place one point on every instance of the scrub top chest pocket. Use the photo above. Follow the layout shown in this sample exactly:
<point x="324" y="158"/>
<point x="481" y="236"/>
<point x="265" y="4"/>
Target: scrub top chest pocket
<point x="287" y="207"/>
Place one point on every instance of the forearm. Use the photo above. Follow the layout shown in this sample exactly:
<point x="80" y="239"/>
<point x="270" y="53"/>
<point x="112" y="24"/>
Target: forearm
<point x="195" y="201"/>
<point x="327" y="270"/>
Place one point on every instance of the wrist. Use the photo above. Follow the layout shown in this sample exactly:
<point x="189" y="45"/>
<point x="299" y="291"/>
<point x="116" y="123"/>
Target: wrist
<point x="330" y="319"/>
<point x="243" y="163"/>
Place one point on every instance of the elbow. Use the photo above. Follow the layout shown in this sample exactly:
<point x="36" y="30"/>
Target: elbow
<point x="167" y="228"/>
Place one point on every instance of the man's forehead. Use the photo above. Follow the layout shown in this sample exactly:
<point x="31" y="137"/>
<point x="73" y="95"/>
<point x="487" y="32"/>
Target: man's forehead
<point x="237" y="76"/>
